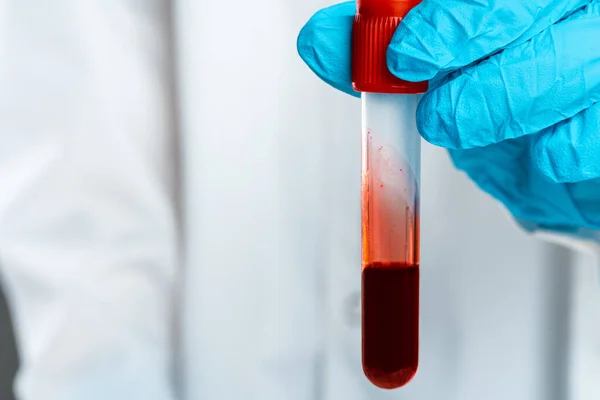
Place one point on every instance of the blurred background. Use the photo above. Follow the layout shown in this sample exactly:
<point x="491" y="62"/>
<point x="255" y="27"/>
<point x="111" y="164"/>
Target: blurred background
<point x="179" y="219"/>
<point x="8" y="352"/>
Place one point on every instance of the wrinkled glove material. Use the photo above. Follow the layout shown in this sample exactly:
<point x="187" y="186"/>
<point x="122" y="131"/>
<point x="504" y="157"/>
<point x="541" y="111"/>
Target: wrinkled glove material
<point x="514" y="92"/>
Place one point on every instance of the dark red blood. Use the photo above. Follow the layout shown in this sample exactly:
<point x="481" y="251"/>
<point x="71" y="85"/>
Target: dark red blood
<point x="390" y="323"/>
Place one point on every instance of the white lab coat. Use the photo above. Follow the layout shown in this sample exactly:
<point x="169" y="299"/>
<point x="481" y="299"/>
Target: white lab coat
<point x="101" y="107"/>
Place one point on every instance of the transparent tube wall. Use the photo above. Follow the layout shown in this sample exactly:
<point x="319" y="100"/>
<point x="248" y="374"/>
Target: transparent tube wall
<point x="391" y="170"/>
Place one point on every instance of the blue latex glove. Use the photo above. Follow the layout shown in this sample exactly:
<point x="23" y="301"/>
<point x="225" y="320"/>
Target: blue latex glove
<point x="514" y="93"/>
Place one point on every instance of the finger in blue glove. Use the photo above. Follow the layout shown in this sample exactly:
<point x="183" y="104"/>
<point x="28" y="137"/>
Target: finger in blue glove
<point x="439" y="36"/>
<point x="519" y="91"/>
<point x="325" y="45"/>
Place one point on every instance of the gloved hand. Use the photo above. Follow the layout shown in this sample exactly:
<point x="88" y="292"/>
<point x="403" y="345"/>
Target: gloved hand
<point x="513" y="95"/>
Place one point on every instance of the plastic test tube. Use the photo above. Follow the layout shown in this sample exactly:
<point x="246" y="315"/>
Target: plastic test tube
<point x="391" y="162"/>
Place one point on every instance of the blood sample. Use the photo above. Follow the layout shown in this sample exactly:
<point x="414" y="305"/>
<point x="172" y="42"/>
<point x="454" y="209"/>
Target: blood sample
<point x="390" y="223"/>
<point x="391" y="163"/>
<point x="391" y="323"/>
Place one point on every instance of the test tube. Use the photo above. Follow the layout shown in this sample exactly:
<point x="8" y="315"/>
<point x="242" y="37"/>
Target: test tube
<point x="391" y="163"/>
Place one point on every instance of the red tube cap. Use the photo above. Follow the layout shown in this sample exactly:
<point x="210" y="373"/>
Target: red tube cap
<point x="374" y="25"/>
